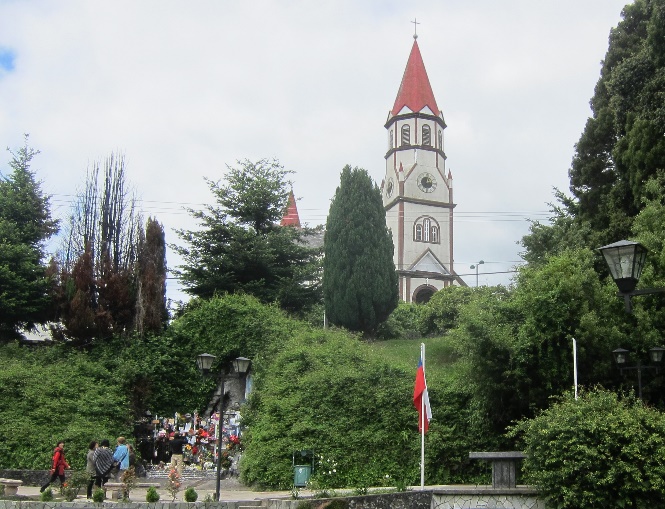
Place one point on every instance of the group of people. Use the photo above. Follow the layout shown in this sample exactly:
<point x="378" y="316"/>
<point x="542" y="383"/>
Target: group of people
<point x="101" y="463"/>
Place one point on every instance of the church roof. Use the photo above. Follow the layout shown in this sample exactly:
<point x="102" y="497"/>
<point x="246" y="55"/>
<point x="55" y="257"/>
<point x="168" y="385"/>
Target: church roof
<point x="415" y="91"/>
<point x="291" y="217"/>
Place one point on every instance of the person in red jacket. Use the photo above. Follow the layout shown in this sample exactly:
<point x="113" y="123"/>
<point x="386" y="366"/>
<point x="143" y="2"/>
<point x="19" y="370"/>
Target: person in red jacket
<point x="59" y="464"/>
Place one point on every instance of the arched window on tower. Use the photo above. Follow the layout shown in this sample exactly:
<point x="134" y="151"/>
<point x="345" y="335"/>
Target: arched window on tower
<point x="427" y="135"/>
<point x="426" y="229"/>
<point x="391" y="141"/>
<point x="406" y="134"/>
<point x="440" y="140"/>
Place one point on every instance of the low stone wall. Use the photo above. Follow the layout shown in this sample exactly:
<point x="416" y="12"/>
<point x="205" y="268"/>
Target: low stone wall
<point x="407" y="500"/>
<point x="485" y="497"/>
<point x="402" y="500"/>
<point x="29" y="477"/>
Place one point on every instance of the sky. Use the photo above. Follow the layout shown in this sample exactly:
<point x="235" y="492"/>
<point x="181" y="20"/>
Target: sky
<point x="184" y="89"/>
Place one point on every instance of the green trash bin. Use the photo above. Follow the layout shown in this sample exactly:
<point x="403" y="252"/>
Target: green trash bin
<point x="302" y="472"/>
<point x="301" y="475"/>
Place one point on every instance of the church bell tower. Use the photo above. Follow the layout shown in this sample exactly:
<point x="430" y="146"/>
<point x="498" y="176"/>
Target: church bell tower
<point x="417" y="189"/>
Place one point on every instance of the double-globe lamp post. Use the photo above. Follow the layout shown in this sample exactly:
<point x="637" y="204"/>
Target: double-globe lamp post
<point x="625" y="260"/>
<point x="475" y="266"/>
<point x="239" y="365"/>
<point x="621" y="356"/>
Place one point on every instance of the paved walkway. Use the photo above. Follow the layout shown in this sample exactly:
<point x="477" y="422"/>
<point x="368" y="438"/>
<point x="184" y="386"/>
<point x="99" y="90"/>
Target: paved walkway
<point x="230" y="490"/>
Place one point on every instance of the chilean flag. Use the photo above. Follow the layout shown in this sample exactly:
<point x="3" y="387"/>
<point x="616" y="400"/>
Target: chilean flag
<point x="421" y="398"/>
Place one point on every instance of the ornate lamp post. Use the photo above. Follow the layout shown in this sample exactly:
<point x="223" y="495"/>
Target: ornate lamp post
<point x="625" y="259"/>
<point x="655" y="357"/>
<point x="240" y="365"/>
<point x="475" y="266"/>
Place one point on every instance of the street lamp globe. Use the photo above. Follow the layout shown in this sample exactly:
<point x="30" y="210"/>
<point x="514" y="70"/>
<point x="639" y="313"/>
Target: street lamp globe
<point x="241" y="364"/>
<point x="620" y="357"/>
<point x="625" y="259"/>
<point x="656" y="355"/>
<point x="204" y="362"/>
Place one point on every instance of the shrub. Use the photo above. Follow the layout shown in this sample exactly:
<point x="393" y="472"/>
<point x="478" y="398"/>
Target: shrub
<point x="46" y="495"/>
<point x="174" y="483"/>
<point x="191" y="495"/>
<point x="69" y="492"/>
<point x="599" y="451"/>
<point x="303" y="372"/>
<point x="78" y="480"/>
<point x="128" y="481"/>
<point x="98" y="495"/>
<point x="152" y="495"/>
<point x="403" y="322"/>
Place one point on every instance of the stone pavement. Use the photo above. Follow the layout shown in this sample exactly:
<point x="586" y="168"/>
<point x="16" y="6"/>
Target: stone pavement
<point x="230" y="490"/>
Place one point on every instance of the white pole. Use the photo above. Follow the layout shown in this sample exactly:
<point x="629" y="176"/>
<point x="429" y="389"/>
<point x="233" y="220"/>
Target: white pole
<point x="422" y="425"/>
<point x="575" y="365"/>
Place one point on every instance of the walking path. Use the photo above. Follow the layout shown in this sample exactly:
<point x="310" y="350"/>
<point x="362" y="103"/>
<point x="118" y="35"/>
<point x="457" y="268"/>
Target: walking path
<point x="230" y="490"/>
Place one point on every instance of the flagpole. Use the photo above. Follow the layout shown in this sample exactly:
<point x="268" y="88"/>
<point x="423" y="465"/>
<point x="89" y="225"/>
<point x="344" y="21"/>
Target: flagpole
<point x="422" y="426"/>
<point x="575" y="365"/>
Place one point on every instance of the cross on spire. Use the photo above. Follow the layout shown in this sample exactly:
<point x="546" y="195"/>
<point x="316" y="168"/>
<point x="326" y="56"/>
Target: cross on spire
<point x="415" y="28"/>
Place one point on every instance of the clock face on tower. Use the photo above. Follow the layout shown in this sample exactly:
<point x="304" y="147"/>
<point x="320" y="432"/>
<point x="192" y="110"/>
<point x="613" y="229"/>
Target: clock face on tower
<point x="426" y="182"/>
<point x="390" y="188"/>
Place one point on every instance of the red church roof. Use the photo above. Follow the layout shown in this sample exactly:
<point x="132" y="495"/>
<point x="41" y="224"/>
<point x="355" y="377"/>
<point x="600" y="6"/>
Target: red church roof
<point x="415" y="91"/>
<point x="291" y="218"/>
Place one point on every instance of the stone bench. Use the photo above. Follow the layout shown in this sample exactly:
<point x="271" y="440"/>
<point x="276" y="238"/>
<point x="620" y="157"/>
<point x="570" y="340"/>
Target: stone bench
<point x="11" y="486"/>
<point x="504" y="466"/>
<point x="117" y="488"/>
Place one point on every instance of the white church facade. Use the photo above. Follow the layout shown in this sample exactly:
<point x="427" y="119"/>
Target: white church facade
<point x="418" y="189"/>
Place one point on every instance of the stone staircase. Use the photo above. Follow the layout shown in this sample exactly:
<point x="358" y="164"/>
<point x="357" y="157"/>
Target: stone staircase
<point x="187" y="474"/>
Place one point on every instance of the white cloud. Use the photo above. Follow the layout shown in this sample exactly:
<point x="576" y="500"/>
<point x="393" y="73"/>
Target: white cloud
<point x="184" y="88"/>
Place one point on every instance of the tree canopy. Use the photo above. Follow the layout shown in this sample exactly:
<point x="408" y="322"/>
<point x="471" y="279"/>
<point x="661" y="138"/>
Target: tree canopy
<point x="25" y="224"/>
<point x="359" y="278"/>
<point x="241" y="247"/>
<point x="622" y="144"/>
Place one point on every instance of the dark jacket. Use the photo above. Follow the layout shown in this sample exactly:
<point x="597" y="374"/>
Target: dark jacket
<point x="177" y="444"/>
<point x="103" y="459"/>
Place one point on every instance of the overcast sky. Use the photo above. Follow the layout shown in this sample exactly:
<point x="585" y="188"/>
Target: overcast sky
<point x="185" y="88"/>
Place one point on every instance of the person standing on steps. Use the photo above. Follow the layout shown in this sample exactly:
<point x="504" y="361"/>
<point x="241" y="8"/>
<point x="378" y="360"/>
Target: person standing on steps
<point x="121" y="455"/>
<point x="177" y="443"/>
<point x="58" y="466"/>
<point x="90" y="468"/>
<point x="103" y="458"/>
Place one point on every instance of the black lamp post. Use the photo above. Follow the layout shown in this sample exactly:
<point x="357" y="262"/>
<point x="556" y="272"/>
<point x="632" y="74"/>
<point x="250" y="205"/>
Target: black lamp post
<point x="621" y="356"/>
<point x="625" y="259"/>
<point x="475" y="266"/>
<point x="240" y="365"/>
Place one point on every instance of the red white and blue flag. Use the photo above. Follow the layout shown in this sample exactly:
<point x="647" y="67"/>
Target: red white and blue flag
<point x="421" y="398"/>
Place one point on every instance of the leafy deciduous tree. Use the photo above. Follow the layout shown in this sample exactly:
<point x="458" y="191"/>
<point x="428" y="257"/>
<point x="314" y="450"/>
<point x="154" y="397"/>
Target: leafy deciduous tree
<point x="242" y="248"/>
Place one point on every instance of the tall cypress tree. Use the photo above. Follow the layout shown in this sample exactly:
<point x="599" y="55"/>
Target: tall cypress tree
<point x="359" y="278"/>
<point x="151" y="313"/>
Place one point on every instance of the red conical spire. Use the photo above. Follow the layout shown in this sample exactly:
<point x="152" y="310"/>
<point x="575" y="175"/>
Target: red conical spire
<point x="415" y="91"/>
<point x="291" y="218"/>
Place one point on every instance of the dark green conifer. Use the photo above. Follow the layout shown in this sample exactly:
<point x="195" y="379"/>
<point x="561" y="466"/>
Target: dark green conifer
<point x="359" y="278"/>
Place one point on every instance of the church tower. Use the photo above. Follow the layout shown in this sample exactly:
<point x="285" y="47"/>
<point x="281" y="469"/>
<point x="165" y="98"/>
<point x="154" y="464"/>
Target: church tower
<point x="417" y="189"/>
